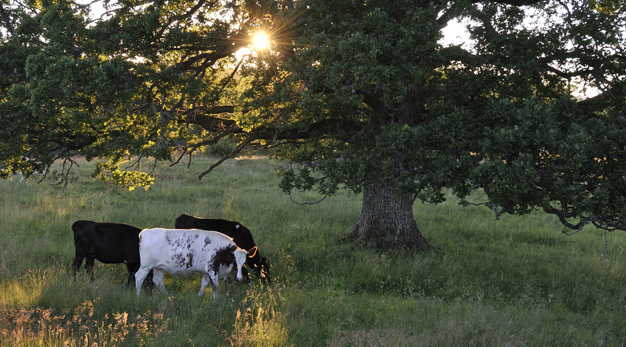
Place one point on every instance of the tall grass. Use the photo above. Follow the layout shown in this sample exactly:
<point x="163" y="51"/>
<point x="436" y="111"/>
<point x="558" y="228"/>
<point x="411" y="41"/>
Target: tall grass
<point x="516" y="281"/>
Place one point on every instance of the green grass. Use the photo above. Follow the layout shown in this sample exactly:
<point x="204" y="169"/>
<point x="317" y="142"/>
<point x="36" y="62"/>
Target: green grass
<point x="516" y="281"/>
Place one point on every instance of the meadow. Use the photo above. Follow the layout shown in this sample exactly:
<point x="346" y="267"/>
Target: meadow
<point x="517" y="281"/>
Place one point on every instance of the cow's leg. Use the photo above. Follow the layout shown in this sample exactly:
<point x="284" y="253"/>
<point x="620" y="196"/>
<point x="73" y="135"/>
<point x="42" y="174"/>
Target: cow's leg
<point x="132" y="270"/>
<point x="140" y="276"/>
<point x="130" y="282"/>
<point x="214" y="284"/>
<point x="89" y="267"/>
<point x="78" y="261"/>
<point x="157" y="279"/>
<point x="149" y="282"/>
<point x="205" y="281"/>
<point x="81" y="245"/>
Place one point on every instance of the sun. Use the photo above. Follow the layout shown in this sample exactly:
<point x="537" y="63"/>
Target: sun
<point x="260" y="41"/>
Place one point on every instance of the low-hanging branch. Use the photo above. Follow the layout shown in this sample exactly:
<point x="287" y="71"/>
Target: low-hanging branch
<point x="270" y="133"/>
<point x="498" y="210"/>
<point x="599" y="221"/>
<point x="207" y="120"/>
<point x="232" y="154"/>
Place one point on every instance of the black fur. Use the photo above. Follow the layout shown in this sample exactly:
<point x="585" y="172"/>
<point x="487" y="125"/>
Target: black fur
<point x="224" y="256"/>
<point x="110" y="243"/>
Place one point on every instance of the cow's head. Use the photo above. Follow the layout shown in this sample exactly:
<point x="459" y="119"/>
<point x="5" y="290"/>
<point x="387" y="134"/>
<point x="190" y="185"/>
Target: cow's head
<point x="259" y="264"/>
<point x="240" y="258"/>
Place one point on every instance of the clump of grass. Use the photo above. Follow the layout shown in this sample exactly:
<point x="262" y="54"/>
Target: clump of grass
<point x="261" y="323"/>
<point x="79" y="327"/>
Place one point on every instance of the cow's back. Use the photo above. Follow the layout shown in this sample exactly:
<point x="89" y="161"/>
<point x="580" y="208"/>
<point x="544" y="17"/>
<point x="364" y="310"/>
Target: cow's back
<point x="185" y="222"/>
<point x="123" y="232"/>
<point x="125" y="239"/>
<point x="152" y="243"/>
<point x="180" y="250"/>
<point x="238" y="232"/>
<point x="107" y="242"/>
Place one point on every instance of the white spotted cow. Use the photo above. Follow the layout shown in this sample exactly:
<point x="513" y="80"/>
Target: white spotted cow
<point x="183" y="251"/>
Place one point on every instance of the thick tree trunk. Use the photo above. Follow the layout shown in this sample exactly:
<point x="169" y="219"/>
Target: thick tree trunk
<point x="386" y="221"/>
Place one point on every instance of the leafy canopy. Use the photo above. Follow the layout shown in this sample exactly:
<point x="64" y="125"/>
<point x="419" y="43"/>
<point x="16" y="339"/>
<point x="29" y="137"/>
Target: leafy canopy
<point x="349" y="93"/>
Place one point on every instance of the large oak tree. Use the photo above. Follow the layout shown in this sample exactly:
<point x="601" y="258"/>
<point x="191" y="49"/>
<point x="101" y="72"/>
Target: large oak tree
<point x="359" y="95"/>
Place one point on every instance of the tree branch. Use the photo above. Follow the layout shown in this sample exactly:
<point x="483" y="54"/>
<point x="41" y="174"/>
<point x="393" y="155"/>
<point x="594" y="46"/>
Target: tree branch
<point x="448" y="13"/>
<point x="495" y="208"/>
<point x="599" y="101"/>
<point x="192" y="148"/>
<point x="231" y="75"/>
<point x="511" y="2"/>
<point x="183" y="16"/>
<point x="599" y="221"/>
<point x="232" y="154"/>
<point x="203" y="117"/>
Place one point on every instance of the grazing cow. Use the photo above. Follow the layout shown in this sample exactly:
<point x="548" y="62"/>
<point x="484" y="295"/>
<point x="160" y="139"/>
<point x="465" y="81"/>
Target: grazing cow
<point x="183" y="251"/>
<point x="110" y="243"/>
<point x="241" y="236"/>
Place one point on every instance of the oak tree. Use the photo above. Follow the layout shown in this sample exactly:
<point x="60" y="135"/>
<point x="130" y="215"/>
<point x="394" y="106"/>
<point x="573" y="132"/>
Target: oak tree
<point x="358" y="95"/>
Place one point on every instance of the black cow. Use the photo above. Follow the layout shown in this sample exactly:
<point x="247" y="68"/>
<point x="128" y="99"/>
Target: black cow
<point x="110" y="243"/>
<point x="240" y="235"/>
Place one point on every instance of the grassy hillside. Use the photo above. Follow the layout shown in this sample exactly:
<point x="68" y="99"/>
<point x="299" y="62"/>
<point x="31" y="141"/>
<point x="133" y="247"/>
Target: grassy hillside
<point x="516" y="281"/>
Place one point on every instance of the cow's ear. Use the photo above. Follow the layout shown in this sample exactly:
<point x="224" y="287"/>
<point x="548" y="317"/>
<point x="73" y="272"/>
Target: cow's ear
<point x="252" y="252"/>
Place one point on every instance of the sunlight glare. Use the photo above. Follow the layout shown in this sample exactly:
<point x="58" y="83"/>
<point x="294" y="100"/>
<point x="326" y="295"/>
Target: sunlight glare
<point x="242" y="52"/>
<point x="260" y="41"/>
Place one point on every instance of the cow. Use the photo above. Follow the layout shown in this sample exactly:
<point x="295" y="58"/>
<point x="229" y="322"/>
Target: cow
<point x="110" y="243"/>
<point x="183" y="251"/>
<point x="241" y="236"/>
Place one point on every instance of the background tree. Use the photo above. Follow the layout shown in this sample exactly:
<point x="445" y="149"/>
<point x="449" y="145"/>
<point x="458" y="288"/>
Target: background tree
<point x="362" y="95"/>
<point x="19" y="37"/>
<point x="390" y="110"/>
<point x="123" y="85"/>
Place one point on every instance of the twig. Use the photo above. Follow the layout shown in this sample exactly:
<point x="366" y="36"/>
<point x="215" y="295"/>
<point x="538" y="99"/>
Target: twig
<point x="232" y="154"/>
<point x="307" y="203"/>
<point x="576" y="231"/>
<point x="192" y="148"/>
<point x="135" y="165"/>
<point x="495" y="208"/>
<point x="65" y="172"/>
<point x="232" y="74"/>
<point x="153" y="167"/>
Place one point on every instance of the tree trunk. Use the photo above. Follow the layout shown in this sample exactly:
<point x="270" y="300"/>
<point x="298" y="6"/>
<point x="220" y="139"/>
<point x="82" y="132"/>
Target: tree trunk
<point x="386" y="221"/>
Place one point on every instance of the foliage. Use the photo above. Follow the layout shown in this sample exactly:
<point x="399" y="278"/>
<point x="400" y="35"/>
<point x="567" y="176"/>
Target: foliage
<point x="113" y="88"/>
<point x="221" y="148"/>
<point x="351" y="93"/>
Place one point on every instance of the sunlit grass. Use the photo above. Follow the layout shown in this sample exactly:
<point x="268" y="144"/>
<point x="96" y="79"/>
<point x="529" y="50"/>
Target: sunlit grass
<point x="78" y="327"/>
<point x="515" y="281"/>
<point x="262" y="323"/>
<point x="24" y="290"/>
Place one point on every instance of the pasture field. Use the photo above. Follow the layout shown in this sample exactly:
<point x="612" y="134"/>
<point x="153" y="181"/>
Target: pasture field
<point x="513" y="282"/>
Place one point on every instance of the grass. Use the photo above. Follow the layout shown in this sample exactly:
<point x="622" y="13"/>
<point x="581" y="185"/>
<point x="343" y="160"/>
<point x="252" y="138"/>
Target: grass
<point x="516" y="281"/>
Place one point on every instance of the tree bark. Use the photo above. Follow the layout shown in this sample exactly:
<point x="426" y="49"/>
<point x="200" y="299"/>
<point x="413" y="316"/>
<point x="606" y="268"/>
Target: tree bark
<point x="387" y="221"/>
